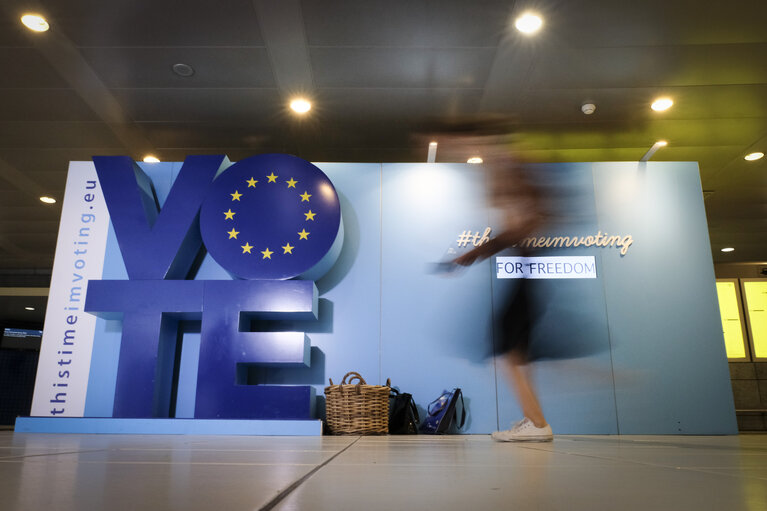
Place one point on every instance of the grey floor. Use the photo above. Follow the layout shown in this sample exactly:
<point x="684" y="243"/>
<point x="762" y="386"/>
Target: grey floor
<point x="115" y="472"/>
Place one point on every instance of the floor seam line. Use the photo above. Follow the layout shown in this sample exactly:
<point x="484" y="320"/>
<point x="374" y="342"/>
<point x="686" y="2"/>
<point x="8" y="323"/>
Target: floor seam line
<point x="290" y="489"/>
<point x="50" y="454"/>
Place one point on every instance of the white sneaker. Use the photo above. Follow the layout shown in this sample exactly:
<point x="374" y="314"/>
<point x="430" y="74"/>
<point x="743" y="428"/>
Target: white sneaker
<point x="524" y="431"/>
<point x="505" y="435"/>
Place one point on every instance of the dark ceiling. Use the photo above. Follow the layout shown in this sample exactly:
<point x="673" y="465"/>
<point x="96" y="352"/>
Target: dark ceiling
<point x="100" y="81"/>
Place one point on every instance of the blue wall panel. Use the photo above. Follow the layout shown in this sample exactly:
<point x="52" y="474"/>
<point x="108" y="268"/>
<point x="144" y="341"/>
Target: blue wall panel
<point x="670" y="365"/>
<point x="435" y="330"/>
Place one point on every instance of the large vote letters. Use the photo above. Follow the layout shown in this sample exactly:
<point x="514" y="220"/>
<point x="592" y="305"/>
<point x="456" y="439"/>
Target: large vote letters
<point x="266" y="219"/>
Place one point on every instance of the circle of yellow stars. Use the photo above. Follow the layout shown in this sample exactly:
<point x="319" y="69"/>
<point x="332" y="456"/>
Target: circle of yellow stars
<point x="287" y="249"/>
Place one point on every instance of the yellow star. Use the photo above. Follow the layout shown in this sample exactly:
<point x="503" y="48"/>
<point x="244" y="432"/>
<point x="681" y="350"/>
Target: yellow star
<point x="267" y="253"/>
<point x="305" y="197"/>
<point x="303" y="235"/>
<point x="251" y="182"/>
<point x="229" y="214"/>
<point x="272" y="178"/>
<point x="246" y="248"/>
<point x="233" y="234"/>
<point x="310" y="215"/>
<point x="288" y="249"/>
<point x="291" y="183"/>
<point x="236" y="195"/>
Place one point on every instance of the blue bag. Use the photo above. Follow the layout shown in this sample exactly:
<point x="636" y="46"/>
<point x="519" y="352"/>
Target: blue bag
<point x="442" y="413"/>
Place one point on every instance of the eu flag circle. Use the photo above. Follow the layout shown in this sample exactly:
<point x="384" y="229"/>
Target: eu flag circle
<point x="271" y="216"/>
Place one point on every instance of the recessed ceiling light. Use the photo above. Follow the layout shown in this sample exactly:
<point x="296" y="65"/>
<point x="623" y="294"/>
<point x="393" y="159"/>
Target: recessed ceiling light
<point x="528" y="23"/>
<point x="588" y="108"/>
<point x="183" y="70"/>
<point x="728" y="249"/>
<point x="35" y="22"/>
<point x="661" y="104"/>
<point x="151" y="159"/>
<point x="661" y="143"/>
<point x="474" y="159"/>
<point x="754" y="156"/>
<point x="29" y="308"/>
<point x="48" y="200"/>
<point x="300" y="105"/>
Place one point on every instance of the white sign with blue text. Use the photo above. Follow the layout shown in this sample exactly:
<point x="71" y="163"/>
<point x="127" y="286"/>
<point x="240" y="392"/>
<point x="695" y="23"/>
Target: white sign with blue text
<point x="559" y="267"/>
<point x="65" y="353"/>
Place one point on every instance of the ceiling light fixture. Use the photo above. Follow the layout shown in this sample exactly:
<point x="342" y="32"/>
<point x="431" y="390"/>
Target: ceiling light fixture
<point x="474" y="159"/>
<point x="662" y="104"/>
<point x="528" y="23"/>
<point x="300" y="105"/>
<point x="657" y="145"/>
<point x="431" y="156"/>
<point x="754" y="156"/>
<point x="183" y="70"/>
<point x="35" y="22"/>
<point x="29" y="308"/>
<point x="47" y="200"/>
<point x="728" y="249"/>
<point x="588" y="108"/>
<point x="151" y="159"/>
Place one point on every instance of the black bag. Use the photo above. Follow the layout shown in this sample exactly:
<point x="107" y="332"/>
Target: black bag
<point x="442" y="413"/>
<point x="403" y="415"/>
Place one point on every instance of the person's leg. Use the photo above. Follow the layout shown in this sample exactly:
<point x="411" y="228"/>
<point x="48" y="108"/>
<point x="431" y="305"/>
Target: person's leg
<point x="533" y="428"/>
<point x="519" y="378"/>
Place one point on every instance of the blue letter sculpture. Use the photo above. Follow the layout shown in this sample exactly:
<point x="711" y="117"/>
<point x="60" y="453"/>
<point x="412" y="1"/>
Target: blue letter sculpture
<point x="265" y="219"/>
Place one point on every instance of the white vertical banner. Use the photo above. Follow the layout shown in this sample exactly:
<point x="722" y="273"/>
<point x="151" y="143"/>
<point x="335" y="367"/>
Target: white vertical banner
<point x="65" y="353"/>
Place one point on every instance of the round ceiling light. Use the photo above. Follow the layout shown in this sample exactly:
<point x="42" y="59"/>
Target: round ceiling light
<point x="662" y="104"/>
<point x="528" y="23"/>
<point x="47" y="200"/>
<point x="474" y="159"/>
<point x="754" y="156"/>
<point x="35" y="22"/>
<point x="728" y="249"/>
<point x="29" y="308"/>
<point x="151" y="159"/>
<point x="183" y="70"/>
<point x="300" y="105"/>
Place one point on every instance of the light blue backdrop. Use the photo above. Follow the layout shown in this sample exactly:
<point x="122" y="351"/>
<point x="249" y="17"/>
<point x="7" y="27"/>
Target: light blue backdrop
<point x="657" y="366"/>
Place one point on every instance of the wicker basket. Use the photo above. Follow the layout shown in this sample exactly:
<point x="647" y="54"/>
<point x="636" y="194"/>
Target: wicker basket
<point x="359" y="408"/>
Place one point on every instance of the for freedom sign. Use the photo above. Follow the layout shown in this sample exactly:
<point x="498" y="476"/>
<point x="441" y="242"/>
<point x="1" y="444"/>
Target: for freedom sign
<point x="564" y="267"/>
